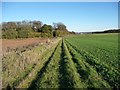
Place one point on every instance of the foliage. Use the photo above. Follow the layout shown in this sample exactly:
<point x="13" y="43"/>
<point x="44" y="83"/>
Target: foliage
<point x="46" y="31"/>
<point x="9" y="25"/>
<point x="36" y="25"/>
<point x="28" y="29"/>
<point x="11" y="34"/>
<point x="60" y="29"/>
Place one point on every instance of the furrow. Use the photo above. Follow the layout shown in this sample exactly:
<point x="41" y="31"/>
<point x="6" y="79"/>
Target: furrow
<point x="108" y="74"/>
<point x="87" y="73"/>
<point x="69" y="76"/>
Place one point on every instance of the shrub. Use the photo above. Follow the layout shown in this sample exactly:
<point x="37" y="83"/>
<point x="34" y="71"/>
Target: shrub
<point x="10" y="34"/>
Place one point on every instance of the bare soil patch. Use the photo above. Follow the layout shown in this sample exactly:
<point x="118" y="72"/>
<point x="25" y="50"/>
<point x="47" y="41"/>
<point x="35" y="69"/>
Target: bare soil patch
<point x="15" y="43"/>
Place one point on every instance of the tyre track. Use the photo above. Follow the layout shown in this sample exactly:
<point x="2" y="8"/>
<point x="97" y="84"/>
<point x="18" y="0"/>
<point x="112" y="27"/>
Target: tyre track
<point x="25" y="82"/>
<point x="69" y="76"/>
<point x="50" y="78"/>
<point x="41" y="72"/>
<point x="42" y="59"/>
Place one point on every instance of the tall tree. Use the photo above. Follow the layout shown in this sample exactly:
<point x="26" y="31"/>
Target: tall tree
<point x="46" y="30"/>
<point x="9" y="26"/>
<point x="61" y="26"/>
<point x="37" y="25"/>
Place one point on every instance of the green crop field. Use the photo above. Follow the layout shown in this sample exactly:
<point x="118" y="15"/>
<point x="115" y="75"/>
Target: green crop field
<point x="75" y="61"/>
<point x="100" y="53"/>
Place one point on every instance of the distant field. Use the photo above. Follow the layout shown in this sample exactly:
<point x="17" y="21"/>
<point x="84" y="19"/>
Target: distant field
<point x="77" y="61"/>
<point x="102" y="46"/>
<point x="16" y="43"/>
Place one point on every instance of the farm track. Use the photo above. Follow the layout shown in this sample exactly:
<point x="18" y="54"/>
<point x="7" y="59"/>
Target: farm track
<point x="36" y="69"/>
<point x="103" y="70"/>
<point x="65" y="70"/>
<point x="58" y="72"/>
<point x="65" y="66"/>
<point x="35" y="83"/>
<point x="69" y="76"/>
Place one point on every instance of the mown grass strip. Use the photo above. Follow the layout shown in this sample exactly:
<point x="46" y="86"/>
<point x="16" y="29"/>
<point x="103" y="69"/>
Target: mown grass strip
<point x="47" y="76"/>
<point x="69" y="76"/>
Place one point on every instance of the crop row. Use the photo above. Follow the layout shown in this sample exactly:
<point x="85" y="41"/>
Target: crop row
<point x="58" y="72"/>
<point x="88" y="74"/>
<point x="70" y="77"/>
<point x="67" y="67"/>
<point x="108" y="74"/>
<point x="103" y="46"/>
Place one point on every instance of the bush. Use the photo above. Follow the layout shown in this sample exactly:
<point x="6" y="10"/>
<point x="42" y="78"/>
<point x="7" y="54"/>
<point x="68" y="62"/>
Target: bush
<point x="23" y="34"/>
<point x="10" y="34"/>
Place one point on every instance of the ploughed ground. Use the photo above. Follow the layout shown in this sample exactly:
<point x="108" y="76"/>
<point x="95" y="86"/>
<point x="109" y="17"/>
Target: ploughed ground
<point x="17" y="43"/>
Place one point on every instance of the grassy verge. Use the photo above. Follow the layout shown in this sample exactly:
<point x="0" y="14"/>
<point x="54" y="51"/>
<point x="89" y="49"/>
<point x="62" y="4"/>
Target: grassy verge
<point x="17" y="66"/>
<point x="47" y="77"/>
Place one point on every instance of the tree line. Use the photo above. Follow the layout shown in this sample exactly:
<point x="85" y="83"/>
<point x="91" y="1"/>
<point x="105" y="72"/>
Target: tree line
<point x="108" y="31"/>
<point x="30" y="29"/>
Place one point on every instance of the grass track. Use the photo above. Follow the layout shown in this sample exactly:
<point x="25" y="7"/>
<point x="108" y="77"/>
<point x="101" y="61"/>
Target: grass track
<point x="69" y="76"/>
<point x="58" y="72"/>
<point x="40" y="64"/>
<point x="48" y="75"/>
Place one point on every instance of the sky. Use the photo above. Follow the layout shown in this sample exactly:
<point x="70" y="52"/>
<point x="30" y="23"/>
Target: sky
<point x="77" y="16"/>
<point x="60" y="0"/>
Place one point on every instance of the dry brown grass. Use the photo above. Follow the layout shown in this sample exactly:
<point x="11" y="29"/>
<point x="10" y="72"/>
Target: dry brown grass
<point x="18" y="63"/>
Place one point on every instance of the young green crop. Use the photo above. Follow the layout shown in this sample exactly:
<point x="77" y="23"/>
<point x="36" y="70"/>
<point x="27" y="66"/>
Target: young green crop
<point x="88" y="74"/>
<point x="102" y="46"/>
<point x="88" y="45"/>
